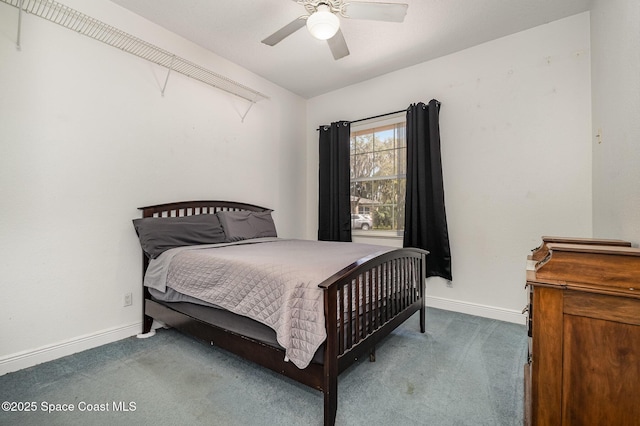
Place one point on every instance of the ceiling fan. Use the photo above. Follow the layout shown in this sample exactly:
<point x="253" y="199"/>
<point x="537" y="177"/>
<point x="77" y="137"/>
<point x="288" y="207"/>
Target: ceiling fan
<point x="323" y="22"/>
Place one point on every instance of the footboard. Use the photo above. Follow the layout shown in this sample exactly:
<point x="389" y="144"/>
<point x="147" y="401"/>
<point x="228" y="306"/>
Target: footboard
<point x="371" y="298"/>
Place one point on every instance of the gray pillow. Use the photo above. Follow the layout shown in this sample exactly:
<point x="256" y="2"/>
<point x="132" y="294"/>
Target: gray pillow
<point x="246" y="224"/>
<point x="158" y="234"/>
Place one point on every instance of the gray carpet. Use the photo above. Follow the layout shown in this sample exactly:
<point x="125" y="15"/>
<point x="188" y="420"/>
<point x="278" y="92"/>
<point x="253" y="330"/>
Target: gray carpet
<point x="464" y="370"/>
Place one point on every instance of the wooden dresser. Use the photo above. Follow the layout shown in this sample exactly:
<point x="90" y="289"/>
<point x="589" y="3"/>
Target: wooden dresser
<point x="584" y="328"/>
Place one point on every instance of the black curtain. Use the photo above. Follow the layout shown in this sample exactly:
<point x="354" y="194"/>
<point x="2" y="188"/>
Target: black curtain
<point x="334" y="203"/>
<point x="425" y="218"/>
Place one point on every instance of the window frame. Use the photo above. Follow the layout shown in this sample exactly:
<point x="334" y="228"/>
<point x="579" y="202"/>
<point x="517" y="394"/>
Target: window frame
<point x="398" y="178"/>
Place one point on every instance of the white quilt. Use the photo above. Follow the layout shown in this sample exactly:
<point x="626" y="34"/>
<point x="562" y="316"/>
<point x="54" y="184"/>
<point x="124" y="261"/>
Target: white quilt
<point x="271" y="280"/>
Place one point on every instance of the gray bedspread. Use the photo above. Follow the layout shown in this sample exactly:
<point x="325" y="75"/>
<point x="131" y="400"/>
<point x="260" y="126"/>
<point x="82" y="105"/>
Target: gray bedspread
<point x="271" y="280"/>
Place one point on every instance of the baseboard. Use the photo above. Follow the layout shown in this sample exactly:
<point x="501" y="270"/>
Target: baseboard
<point x="492" y="312"/>
<point x="30" y="358"/>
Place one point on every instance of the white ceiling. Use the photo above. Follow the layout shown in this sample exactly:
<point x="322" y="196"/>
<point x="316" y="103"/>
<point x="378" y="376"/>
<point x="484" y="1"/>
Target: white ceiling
<point x="233" y="30"/>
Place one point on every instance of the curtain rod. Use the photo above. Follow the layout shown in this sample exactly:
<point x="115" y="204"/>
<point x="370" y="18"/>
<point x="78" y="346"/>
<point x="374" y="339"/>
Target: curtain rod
<point x="382" y="115"/>
<point x="377" y="116"/>
<point x="371" y="118"/>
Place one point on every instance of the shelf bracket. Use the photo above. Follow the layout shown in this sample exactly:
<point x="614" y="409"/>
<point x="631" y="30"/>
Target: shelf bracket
<point x="18" y="46"/>
<point x="168" y="73"/>
<point x="247" y="111"/>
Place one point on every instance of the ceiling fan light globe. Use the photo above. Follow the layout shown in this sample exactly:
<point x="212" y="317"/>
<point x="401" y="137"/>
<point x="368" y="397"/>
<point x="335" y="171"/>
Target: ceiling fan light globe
<point x="323" y="24"/>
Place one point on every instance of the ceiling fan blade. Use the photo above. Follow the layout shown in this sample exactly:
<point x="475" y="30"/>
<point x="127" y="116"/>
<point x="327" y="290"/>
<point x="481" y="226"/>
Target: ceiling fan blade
<point x="338" y="46"/>
<point x="390" y="12"/>
<point x="285" y="32"/>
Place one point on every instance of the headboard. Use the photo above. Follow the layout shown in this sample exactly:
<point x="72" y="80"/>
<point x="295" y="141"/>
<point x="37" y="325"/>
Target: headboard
<point x="188" y="208"/>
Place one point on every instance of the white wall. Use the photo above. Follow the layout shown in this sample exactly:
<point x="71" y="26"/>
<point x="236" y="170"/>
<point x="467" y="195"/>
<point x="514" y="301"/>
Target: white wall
<point x="516" y="150"/>
<point x="615" y="43"/>
<point x="85" y="139"/>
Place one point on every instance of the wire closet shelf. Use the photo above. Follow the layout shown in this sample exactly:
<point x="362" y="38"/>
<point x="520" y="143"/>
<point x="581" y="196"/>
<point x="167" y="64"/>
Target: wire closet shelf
<point x="83" y="24"/>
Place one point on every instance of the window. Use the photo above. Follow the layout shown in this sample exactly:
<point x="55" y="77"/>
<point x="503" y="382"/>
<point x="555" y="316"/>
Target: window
<point x="378" y="175"/>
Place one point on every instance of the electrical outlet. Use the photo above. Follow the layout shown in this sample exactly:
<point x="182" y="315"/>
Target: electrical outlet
<point x="128" y="299"/>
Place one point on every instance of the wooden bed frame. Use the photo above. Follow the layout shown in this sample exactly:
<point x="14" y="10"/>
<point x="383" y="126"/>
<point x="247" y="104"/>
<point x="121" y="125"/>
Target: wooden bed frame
<point x="392" y="274"/>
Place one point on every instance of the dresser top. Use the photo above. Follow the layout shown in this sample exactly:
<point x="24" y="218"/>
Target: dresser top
<point x="587" y="267"/>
